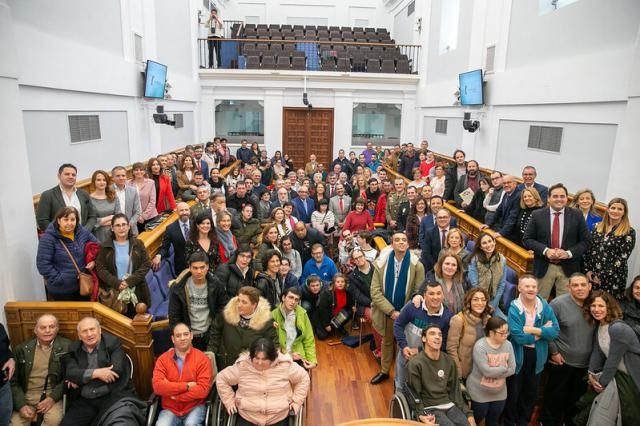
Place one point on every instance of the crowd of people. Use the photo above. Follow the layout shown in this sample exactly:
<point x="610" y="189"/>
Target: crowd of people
<point x="270" y="257"/>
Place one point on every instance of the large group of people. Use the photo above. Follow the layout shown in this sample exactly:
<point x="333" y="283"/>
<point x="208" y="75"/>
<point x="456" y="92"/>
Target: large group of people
<point x="270" y="257"/>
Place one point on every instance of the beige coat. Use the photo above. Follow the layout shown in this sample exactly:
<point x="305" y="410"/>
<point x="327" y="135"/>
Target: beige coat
<point x="461" y="339"/>
<point x="263" y="397"/>
<point x="382" y="308"/>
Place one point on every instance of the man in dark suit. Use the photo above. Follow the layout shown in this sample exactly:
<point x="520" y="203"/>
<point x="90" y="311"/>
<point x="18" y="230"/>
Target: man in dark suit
<point x="506" y="217"/>
<point x="470" y="180"/>
<point x="434" y="240"/>
<point x="201" y="165"/>
<point x="176" y="235"/>
<point x="429" y="221"/>
<point x="65" y="194"/>
<point x="304" y="206"/>
<point x="97" y="366"/>
<point x="529" y="175"/>
<point x="558" y="236"/>
<point x="453" y="172"/>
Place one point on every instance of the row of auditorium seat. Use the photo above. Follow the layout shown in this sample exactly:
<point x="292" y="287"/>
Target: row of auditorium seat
<point x="371" y="65"/>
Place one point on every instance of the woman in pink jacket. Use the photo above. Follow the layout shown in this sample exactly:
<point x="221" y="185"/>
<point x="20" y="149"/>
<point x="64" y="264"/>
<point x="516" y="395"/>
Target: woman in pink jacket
<point x="269" y="384"/>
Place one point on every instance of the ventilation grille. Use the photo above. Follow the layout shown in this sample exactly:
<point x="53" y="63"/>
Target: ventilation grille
<point x="545" y="138"/>
<point x="84" y="128"/>
<point x="411" y="8"/>
<point x="491" y="56"/>
<point x="441" y="126"/>
<point x="179" y="119"/>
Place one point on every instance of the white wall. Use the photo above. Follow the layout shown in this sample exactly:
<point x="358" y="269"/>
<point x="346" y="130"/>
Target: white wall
<point x="49" y="144"/>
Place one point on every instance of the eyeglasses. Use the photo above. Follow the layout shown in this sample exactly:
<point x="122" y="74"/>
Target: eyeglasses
<point x="502" y="333"/>
<point x="358" y="257"/>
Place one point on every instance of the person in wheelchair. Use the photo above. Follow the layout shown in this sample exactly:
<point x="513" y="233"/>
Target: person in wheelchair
<point x="295" y="332"/>
<point x="269" y="385"/>
<point x="433" y="376"/>
<point x="182" y="378"/>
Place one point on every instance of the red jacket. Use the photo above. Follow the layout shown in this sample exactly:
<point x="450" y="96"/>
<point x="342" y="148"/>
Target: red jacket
<point x="165" y="193"/>
<point x="172" y="386"/>
<point x="381" y="207"/>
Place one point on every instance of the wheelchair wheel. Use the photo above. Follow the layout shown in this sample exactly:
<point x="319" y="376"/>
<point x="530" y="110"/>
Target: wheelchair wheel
<point x="399" y="407"/>
<point x="219" y="414"/>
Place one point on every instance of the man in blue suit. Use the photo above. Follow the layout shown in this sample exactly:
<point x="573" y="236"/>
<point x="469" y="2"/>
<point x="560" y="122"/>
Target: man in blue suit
<point x="435" y="239"/>
<point x="429" y="221"/>
<point x="529" y="175"/>
<point x="506" y="217"/>
<point x="304" y="206"/>
<point x="201" y="165"/>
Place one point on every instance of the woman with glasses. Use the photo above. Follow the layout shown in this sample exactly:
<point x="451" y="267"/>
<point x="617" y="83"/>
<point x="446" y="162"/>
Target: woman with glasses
<point x="493" y="362"/>
<point x="293" y="255"/>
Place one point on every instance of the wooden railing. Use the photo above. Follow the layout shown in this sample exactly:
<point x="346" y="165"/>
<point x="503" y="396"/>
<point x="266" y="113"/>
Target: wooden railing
<point x="599" y="207"/>
<point x="518" y="258"/>
<point x="135" y="333"/>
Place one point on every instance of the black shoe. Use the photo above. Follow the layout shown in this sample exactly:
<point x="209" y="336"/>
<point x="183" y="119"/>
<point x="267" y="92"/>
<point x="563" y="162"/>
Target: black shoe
<point x="355" y="325"/>
<point x="379" y="378"/>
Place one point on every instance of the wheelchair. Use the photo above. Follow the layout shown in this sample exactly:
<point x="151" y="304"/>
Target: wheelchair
<point x="154" y="407"/>
<point x="404" y="404"/>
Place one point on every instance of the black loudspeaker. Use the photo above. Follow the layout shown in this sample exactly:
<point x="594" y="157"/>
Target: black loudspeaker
<point x="471" y="126"/>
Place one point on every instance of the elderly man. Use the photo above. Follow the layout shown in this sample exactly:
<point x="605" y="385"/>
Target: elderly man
<point x="397" y="275"/>
<point x="506" y="217"/>
<point x="65" y="194"/>
<point x="311" y="167"/>
<point x="203" y="203"/>
<point x="304" y="205"/>
<point x="127" y="196"/>
<point x="97" y="369"/>
<point x="37" y="384"/>
<point x="182" y="377"/>
<point x="529" y="175"/>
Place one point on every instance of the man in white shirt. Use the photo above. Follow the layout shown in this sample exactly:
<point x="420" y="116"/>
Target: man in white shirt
<point x="127" y="196"/>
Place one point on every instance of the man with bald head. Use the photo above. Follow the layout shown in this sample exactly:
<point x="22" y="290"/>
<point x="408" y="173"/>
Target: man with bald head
<point x="37" y="359"/>
<point x="506" y="217"/>
<point x="176" y="236"/>
<point x="303" y="238"/>
<point x="99" y="373"/>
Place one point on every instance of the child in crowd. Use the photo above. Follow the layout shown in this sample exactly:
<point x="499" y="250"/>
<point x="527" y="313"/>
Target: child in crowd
<point x="334" y="308"/>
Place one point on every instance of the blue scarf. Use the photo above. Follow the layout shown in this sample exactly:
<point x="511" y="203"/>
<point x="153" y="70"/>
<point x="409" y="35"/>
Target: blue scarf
<point x="397" y="297"/>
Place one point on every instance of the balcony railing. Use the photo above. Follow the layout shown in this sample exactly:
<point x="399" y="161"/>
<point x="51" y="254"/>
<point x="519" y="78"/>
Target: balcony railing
<point x="309" y="55"/>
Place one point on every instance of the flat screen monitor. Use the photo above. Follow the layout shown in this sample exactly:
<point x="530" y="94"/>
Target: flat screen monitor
<point x="155" y="79"/>
<point x="471" y="90"/>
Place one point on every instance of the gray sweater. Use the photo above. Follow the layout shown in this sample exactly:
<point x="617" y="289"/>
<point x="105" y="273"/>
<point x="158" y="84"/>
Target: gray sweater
<point x="575" y="340"/>
<point x="624" y="345"/>
<point x="486" y="383"/>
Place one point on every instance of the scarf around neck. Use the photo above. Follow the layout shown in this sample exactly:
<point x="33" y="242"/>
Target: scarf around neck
<point x="226" y="239"/>
<point x="396" y="291"/>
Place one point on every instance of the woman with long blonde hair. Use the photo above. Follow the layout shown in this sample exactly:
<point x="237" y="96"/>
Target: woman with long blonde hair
<point x="612" y="242"/>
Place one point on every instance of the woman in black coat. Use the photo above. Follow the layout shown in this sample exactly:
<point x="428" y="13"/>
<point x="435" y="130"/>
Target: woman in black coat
<point x="123" y="263"/>
<point x="268" y="281"/>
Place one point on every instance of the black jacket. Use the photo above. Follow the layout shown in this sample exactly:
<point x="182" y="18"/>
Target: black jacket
<point x="179" y="300"/>
<point x="270" y="289"/>
<point x="304" y="246"/>
<point x="110" y="353"/>
<point x="360" y="287"/>
<point x="326" y="304"/>
<point x="173" y="236"/>
<point x="231" y="278"/>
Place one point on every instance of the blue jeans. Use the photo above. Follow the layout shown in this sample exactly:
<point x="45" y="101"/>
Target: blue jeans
<point x="6" y="404"/>
<point x="400" y="378"/>
<point x="488" y="411"/>
<point x="194" y="418"/>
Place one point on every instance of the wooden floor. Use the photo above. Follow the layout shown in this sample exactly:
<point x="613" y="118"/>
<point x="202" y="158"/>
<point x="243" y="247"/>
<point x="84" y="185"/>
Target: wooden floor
<point x="340" y="388"/>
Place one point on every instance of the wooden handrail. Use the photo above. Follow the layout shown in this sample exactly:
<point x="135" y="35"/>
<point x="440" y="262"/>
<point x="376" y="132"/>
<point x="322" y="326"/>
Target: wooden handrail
<point x="599" y="207"/>
<point x="135" y="333"/>
<point x="518" y="258"/>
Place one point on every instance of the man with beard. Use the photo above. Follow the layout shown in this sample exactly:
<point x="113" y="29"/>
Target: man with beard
<point x="405" y="165"/>
<point x="176" y="235"/>
<point x="454" y="172"/>
<point x="470" y="180"/>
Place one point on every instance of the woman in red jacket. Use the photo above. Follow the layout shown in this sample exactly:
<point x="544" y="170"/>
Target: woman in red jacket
<point x="164" y="195"/>
<point x="358" y="219"/>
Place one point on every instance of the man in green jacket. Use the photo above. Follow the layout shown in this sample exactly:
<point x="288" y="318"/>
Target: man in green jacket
<point x="37" y="384"/>
<point x="295" y="333"/>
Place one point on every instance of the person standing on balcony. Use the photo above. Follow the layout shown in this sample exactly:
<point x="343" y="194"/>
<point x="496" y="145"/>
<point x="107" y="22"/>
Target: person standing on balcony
<point x="216" y="32"/>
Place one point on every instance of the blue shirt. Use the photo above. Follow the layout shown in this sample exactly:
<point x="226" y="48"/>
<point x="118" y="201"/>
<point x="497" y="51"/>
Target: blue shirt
<point x="325" y="271"/>
<point x="122" y="258"/>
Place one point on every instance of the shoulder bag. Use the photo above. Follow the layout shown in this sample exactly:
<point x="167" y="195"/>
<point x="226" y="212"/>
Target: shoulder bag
<point x="85" y="280"/>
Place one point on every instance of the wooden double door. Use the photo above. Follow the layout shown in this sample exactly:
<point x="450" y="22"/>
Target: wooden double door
<point x="308" y="131"/>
